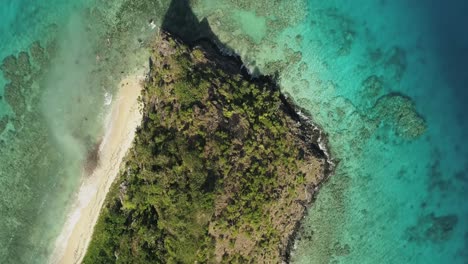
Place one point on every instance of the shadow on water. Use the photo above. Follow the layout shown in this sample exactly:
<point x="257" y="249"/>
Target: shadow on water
<point x="180" y="21"/>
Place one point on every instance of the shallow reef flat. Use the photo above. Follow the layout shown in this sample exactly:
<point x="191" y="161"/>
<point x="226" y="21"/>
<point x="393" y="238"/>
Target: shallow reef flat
<point x="55" y="75"/>
<point x="222" y="169"/>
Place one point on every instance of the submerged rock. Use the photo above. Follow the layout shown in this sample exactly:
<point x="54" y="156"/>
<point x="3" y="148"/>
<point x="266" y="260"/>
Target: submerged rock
<point x="3" y="123"/>
<point x="433" y="228"/>
<point x="21" y="74"/>
<point x="399" y="111"/>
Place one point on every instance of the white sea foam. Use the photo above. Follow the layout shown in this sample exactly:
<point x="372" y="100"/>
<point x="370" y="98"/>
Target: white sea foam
<point x="321" y="141"/>
<point x="107" y="98"/>
<point x="85" y="195"/>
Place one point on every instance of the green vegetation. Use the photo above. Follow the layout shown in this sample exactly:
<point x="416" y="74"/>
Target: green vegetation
<point x="219" y="170"/>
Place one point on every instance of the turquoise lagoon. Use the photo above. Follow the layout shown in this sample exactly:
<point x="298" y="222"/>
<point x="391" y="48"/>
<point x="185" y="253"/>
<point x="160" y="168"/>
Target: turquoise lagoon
<point x="384" y="79"/>
<point x="61" y="62"/>
<point x="393" y="199"/>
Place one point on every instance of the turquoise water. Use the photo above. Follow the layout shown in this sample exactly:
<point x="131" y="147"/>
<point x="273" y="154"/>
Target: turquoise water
<point x="385" y="80"/>
<point x="60" y="61"/>
<point x="32" y="176"/>
<point x="392" y="199"/>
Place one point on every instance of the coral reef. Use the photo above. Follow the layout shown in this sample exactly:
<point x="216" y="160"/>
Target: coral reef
<point x="3" y="123"/>
<point x="21" y="73"/>
<point x="399" y="111"/>
<point x="286" y="13"/>
<point x="432" y="228"/>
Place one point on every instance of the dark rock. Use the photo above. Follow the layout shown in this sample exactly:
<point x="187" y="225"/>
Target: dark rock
<point x="432" y="228"/>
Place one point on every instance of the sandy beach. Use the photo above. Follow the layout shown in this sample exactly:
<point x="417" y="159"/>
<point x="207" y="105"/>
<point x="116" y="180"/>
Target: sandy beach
<point x="121" y="124"/>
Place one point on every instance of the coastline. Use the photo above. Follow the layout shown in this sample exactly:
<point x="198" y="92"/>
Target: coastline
<point x="120" y="127"/>
<point x="309" y="136"/>
<point x="320" y="138"/>
<point x="121" y="124"/>
<point x="305" y="118"/>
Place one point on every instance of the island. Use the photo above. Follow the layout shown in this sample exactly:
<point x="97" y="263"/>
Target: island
<point x="222" y="168"/>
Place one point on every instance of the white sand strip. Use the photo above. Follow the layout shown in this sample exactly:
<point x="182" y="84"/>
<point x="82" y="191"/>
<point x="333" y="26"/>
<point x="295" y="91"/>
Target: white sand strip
<point x="122" y="122"/>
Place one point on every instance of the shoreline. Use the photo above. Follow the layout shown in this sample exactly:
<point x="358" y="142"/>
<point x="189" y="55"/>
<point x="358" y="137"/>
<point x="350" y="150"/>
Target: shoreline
<point x="71" y="246"/>
<point x="317" y="135"/>
<point x="322" y="141"/>
<point x="304" y="117"/>
<point x="120" y="126"/>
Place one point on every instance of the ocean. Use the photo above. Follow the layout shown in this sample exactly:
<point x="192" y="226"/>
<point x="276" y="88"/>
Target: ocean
<point x="61" y="63"/>
<point x="394" y="198"/>
<point x="384" y="79"/>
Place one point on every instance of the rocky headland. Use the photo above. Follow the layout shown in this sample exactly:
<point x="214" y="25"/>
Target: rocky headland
<point x="222" y="168"/>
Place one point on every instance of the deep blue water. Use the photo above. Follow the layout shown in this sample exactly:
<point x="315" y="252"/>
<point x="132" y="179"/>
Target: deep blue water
<point x="450" y="36"/>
